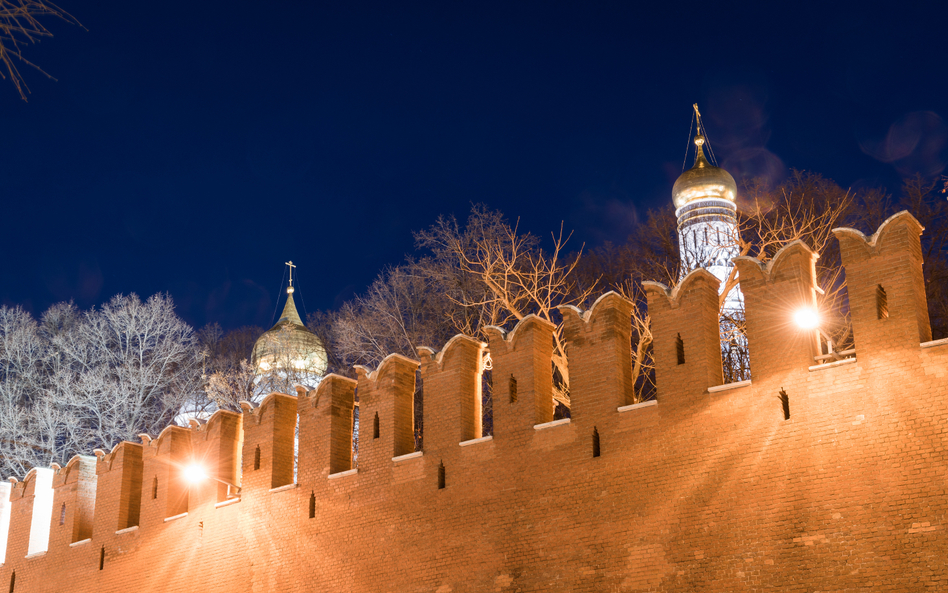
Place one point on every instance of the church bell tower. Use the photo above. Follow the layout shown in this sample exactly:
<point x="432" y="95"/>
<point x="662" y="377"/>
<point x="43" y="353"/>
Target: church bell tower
<point x="706" y="208"/>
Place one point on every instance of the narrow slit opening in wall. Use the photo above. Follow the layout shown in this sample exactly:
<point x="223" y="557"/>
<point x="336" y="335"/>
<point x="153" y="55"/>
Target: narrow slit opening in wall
<point x="355" y="432"/>
<point x="154" y="488"/>
<point x="296" y="450"/>
<point x="375" y="427"/>
<point x="418" y="416"/>
<point x="680" y="349"/>
<point x="512" y="387"/>
<point x="785" y="403"/>
<point x="596" y="450"/>
<point x="735" y="355"/>
<point x="882" y="303"/>
<point x="62" y="514"/>
<point x="256" y="457"/>
<point x="487" y="403"/>
<point x="441" y="476"/>
<point x="102" y="558"/>
<point x="560" y="408"/>
<point x="312" y="504"/>
<point x="12" y="581"/>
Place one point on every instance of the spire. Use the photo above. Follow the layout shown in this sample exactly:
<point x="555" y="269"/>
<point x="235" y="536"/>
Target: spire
<point x="289" y="344"/>
<point x="289" y="310"/>
<point x="700" y="160"/>
<point x="703" y="180"/>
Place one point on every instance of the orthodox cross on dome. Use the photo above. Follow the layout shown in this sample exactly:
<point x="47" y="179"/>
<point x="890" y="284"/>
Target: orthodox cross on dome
<point x="290" y="289"/>
<point x="700" y="138"/>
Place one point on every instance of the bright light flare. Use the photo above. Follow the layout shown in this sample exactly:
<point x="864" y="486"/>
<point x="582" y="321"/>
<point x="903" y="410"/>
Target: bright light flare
<point x="807" y="318"/>
<point x="194" y="474"/>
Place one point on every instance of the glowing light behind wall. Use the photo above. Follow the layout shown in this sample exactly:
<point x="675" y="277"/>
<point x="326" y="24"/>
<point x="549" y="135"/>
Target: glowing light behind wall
<point x="194" y="474"/>
<point x="806" y="318"/>
<point x="42" y="511"/>
<point x="5" y="489"/>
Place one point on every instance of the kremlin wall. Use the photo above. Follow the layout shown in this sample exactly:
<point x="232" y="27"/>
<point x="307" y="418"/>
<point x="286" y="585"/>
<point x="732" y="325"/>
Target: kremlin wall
<point x="707" y="488"/>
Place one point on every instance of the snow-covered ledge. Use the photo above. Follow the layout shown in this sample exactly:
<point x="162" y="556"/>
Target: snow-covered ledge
<point x="119" y="532"/>
<point x="282" y="488"/>
<point x="348" y="472"/>
<point x="829" y="365"/>
<point x="729" y="386"/>
<point x="181" y="516"/>
<point x="475" y="441"/>
<point x="630" y="407"/>
<point x="83" y="541"/>
<point x="228" y="502"/>
<point x="934" y="343"/>
<point x="414" y="455"/>
<point x="551" y="424"/>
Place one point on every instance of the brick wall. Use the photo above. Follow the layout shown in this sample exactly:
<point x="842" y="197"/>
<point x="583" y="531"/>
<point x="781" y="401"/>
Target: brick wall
<point x="705" y="490"/>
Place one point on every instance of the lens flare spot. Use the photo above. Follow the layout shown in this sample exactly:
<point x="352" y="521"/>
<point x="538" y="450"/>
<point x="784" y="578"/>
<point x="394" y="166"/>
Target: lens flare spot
<point x="807" y="318"/>
<point x="194" y="474"/>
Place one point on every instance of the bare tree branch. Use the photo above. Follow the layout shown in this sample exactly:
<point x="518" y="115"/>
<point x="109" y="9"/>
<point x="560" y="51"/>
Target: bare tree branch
<point x="19" y="25"/>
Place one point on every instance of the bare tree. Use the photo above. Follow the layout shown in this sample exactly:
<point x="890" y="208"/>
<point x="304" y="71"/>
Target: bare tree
<point x="923" y="198"/>
<point x="130" y="366"/>
<point x="422" y="302"/>
<point x="20" y="25"/>
<point x="806" y="207"/>
<point x="80" y="380"/>
<point x="226" y="388"/>
<point x="404" y="308"/>
<point x="26" y="438"/>
<point x="508" y="277"/>
<point x="467" y="277"/>
<point x="226" y="371"/>
<point x="650" y="253"/>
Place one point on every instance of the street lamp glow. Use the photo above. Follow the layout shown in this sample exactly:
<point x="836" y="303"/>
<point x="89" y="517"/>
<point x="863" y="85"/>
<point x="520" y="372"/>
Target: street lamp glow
<point x="194" y="474"/>
<point x="806" y="318"/>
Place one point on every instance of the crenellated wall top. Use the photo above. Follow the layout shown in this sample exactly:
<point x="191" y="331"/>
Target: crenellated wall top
<point x="389" y="361"/>
<point x="879" y="241"/>
<point x="302" y="453"/>
<point x="458" y="342"/>
<point x="777" y="268"/>
<point x="673" y="294"/>
<point x="510" y="338"/>
<point x="326" y="385"/>
<point x="606" y="301"/>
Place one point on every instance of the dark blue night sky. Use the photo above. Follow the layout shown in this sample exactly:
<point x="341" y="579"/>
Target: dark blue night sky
<point x="193" y="147"/>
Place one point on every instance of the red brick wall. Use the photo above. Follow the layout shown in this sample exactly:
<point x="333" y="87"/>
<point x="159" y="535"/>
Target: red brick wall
<point x="703" y="491"/>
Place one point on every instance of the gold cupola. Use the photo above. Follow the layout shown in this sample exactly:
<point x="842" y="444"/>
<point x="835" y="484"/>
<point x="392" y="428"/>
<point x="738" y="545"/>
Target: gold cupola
<point x="703" y="181"/>
<point x="289" y="346"/>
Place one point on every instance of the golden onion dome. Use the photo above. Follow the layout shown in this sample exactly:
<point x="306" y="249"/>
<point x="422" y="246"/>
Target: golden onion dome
<point x="703" y="181"/>
<point x="289" y="345"/>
